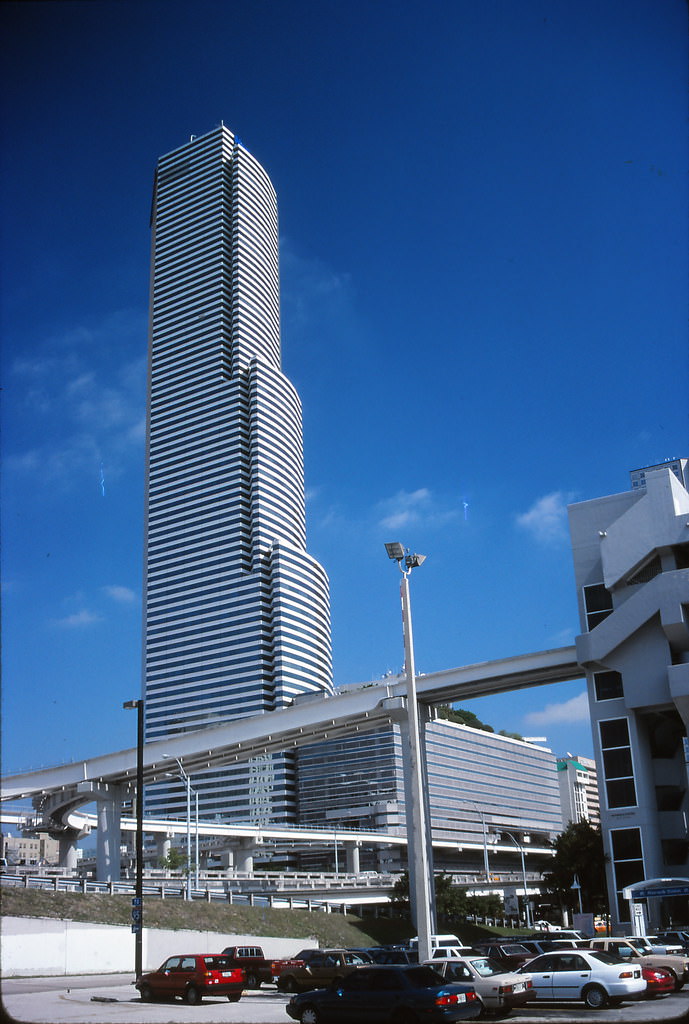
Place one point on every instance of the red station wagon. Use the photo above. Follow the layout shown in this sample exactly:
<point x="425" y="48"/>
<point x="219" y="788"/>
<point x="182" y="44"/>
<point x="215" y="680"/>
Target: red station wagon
<point x="193" y="976"/>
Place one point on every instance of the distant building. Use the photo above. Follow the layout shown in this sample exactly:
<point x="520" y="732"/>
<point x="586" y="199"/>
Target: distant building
<point x="481" y="788"/>
<point x="680" y="467"/>
<point x="31" y="849"/>
<point x="631" y="566"/>
<point x="578" y="783"/>
<point x="237" y="619"/>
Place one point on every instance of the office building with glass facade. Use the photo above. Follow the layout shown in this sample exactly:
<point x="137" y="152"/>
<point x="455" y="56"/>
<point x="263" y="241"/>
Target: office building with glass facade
<point x="236" y="618"/>
<point x="482" y="788"/>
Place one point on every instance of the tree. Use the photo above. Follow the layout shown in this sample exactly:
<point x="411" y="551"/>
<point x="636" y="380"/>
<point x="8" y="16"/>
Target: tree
<point x="175" y="860"/>
<point x="579" y="851"/>
<point x="451" y="902"/>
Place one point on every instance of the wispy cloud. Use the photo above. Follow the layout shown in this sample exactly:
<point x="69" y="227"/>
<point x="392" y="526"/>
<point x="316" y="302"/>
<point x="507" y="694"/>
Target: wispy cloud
<point x="122" y="595"/>
<point x="81" y="401"/>
<point x="414" y="508"/>
<point x="546" y="520"/>
<point x="78" y="620"/>
<point x="574" y="710"/>
<point x="404" y="509"/>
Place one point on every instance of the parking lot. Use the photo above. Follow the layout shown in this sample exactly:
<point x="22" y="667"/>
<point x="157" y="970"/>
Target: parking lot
<point x="112" y="999"/>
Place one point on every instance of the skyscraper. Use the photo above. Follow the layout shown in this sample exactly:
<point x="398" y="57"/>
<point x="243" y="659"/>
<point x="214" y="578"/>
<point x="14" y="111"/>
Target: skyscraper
<point x="236" y="612"/>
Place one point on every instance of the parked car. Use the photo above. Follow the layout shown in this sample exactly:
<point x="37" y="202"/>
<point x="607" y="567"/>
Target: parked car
<point x="679" y="938"/>
<point x="251" y="958"/>
<point x="319" y="968"/>
<point x="632" y="952"/>
<point x="379" y="955"/>
<point x="657" y="945"/>
<point x="278" y="967"/>
<point x="438" y="942"/>
<point x="538" y="946"/>
<point x="193" y="976"/>
<point x="563" y="933"/>
<point x="499" y="990"/>
<point x="510" y="954"/>
<point x="378" y="995"/>
<point x="595" y="978"/>
<point x="659" y="982"/>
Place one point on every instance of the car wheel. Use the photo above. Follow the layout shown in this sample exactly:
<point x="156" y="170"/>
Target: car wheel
<point x="679" y="985"/>
<point x="235" y="997"/>
<point x="146" y="994"/>
<point x="595" y="998"/>
<point x="192" y="996"/>
<point x="309" y="1015"/>
<point x="289" y="985"/>
<point x="252" y="981"/>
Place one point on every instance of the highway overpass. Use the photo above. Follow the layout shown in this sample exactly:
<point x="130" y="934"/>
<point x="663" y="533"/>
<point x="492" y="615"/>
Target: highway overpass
<point x="58" y="792"/>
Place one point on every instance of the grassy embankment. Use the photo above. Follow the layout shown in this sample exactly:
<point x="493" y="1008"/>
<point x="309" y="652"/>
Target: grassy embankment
<point x="326" y="929"/>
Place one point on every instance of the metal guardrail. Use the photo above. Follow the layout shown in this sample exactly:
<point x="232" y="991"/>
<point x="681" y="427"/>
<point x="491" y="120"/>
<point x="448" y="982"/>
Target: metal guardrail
<point x="277" y="899"/>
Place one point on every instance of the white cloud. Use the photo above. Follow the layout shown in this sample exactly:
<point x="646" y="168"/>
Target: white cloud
<point x="82" y="396"/>
<point x="574" y="710"/>
<point x="78" y="620"/>
<point x="546" y="519"/>
<point x="404" y="508"/>
<point x="123" y="595"/>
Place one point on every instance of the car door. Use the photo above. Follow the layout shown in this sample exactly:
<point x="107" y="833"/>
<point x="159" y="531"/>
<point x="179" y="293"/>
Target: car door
<point x="541" y="971"/>
<point x="384" y="992"/>
<point x="571" y="972"/>
<point x="167" y="979"/>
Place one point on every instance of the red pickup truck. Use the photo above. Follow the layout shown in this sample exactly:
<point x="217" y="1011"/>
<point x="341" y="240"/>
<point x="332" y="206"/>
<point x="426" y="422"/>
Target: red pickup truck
<point x="256" y="968"/>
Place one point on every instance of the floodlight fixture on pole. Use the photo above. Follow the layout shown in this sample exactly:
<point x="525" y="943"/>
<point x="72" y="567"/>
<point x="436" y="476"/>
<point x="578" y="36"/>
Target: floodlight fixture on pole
<point x="138" y="902"/>
<point x="420" y="881"/>
<point x="185" y="778"/>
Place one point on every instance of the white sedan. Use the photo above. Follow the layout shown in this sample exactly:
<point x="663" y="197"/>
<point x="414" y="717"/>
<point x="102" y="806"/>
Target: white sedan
<point x="596" y="978"/>
<point x="499" y="990"/>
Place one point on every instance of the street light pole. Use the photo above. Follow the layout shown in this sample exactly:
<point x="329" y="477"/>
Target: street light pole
<point x="486" y="867"/>
<point x="418" y="856"/>
<point x="527" y="911"/>
<point x="187" y="781"/>
<point x="138" y="908"/>
<point x="196" y="844"/>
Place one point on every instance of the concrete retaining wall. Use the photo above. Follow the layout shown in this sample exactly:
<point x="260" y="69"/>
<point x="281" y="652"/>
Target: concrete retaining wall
<point x="35" y="946"/>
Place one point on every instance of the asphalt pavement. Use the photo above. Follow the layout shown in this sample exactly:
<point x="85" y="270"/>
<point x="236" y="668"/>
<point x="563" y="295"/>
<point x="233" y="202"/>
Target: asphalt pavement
<point x="112" y="999"/>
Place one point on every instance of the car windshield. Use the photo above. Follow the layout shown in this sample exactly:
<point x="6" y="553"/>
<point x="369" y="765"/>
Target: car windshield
<point x="515" y="948"/>
<point x="424" y="977"/>
<point x="486" y="967"/>
<point x="636" y="946"/>
<point x="605" y="958"/>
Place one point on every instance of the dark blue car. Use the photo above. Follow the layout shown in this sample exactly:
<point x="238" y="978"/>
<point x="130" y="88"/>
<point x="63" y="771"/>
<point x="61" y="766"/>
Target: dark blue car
<point x="390" y="995"/>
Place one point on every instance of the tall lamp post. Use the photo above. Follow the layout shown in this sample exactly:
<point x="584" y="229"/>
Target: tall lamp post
<point x="187" y="781"/>
<point x="526" y="896"/>
<point x="418" y="856"/>
<point x="138" y="902"/>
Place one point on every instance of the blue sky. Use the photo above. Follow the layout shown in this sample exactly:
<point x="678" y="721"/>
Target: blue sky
<point x="483" y="213"/>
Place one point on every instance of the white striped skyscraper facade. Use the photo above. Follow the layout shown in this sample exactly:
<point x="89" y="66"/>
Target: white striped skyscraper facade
<point x="237" y="618"/>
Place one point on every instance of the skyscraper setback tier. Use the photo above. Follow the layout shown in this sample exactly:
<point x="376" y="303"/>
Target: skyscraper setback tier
<point x="237" y="616"/>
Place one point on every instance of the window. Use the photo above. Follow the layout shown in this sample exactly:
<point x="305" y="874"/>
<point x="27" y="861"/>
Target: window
<point x="627" y="858"/>
<point x="597" y="604"/>
<point x="607" y="685"/>
<point x="618" y="769"/>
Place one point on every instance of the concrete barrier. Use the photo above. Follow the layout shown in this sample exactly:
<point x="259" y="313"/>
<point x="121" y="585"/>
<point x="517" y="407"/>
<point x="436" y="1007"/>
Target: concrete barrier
<point x="37" y="946"/>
